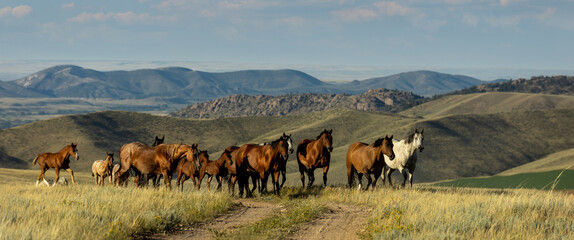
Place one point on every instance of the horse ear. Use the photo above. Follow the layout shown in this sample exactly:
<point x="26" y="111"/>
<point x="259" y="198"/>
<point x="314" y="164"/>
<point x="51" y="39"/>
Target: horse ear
<point x="391" y="137"/>
<point x="422" y="131"/>
<point x="194" y="146"/>
<point x="331" y="131"/>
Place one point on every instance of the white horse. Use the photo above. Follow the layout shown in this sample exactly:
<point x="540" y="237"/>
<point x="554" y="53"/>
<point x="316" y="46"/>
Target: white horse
<point x="405" y="157"/>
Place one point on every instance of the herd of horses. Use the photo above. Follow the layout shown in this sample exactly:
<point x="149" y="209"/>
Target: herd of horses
<point x="239" y="163"/>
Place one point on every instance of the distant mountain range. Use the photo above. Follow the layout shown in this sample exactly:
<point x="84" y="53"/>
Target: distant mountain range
<point x="188" y="85"/>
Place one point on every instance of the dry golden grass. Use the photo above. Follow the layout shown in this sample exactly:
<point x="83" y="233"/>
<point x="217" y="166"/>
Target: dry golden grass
<point x="455" y="213"/>
<point x="85" y="211"/>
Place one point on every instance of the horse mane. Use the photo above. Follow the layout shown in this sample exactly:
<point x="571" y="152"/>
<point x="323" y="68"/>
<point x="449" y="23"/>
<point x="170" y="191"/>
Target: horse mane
<point x="410" y="138"/>
<point x="275" y="143"/>
<point x="321" y="134"/>
<point x="378" y="142"/>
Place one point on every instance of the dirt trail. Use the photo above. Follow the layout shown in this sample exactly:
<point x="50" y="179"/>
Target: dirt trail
<point x="248" y="212"/>
<point x="340" y="222"/>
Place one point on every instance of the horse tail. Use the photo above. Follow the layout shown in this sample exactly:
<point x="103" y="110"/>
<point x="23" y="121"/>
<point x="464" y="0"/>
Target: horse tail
<point x="34" y="161"/>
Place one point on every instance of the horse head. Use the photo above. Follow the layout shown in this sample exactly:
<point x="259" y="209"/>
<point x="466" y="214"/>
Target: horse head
<point x="289" y="141"/>
<point x="226" y="158"/>
<point x="158" y="141"/>
<point x="73" y="150"/>
<point x="387" y="147"/>
<point x="418" y="140"/>
<point x="203" y="157"/>
<point x="110" y="160"/>
<point x="327" y="139"/>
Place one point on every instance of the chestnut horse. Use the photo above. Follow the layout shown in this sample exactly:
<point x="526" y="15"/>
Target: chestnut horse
<point x="231" y="172"/>
<point x="102" y="169"/>
<point x="213" y="168"/>
<point x="186" y="169"/>
<point x="368" y="159"/>
<point x="59" y="160"/>
<point x="162" y="159"/>
<point x="312" y="154"/>
<point x="254" y="158"/>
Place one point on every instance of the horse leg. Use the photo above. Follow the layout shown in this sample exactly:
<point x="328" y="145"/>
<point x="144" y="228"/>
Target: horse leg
<point x="219" y="181"/>
<point x="376" y="178"/>
<point x="276" y="186"/>
<point x="284" y="173"/>
<point x="360" y="176"/>
<point x="201" y="175"/>
<point x="209" y="182"/>
<point x="325" y="170"/>
<point x="389" y="172"/>
<point x="369" y="180"/>
<point x="350" y="172"/>
<point x="411" y="179"/>
<point x="167" y="179"/>
<point x="41" y="175"/>
<point x="311" y="174"/>
<point x="96" y="179"/>
<point x="57" y="176"/>
<point x="405" y="173"/>
<point x="302" y="171"/>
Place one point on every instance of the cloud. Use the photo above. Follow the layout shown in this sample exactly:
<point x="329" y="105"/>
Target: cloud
<point x="367" y="13"/>
<point x="18" y="11"/>
<point x="392" y="8"/>
<point x="356" y="14"/>
<point x="68" y="5"/>
<point x="122" y="17"/>
<point x="470" y="20"/>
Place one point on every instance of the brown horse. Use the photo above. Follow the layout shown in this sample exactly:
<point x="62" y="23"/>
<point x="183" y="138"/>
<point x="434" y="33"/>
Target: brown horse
<point x="102" y="169"/>
<point x="312" y="154"/>
<point x="231" y="169"/>
<point x="59" y="160"/>
<point x="162" y="159"/>
<point x="368" y="159"/>
<point x="186" y="169"/>
<point x="213" y="168"/>
<point x="254" y="158"/>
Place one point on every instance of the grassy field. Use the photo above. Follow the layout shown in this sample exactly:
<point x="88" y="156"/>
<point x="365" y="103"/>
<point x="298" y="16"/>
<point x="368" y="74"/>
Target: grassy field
<point x="551" y="180"/>
<point x="85" y="211"/>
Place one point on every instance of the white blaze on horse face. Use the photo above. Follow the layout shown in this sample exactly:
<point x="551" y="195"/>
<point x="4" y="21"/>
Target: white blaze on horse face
<point x="419" y="141"/>
<point x="290" y="144"/>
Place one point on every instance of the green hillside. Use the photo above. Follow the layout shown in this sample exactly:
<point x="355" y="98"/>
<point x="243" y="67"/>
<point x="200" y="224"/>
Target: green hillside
<point x="555" y="161"/>
<point x="551" y="180"/>
<point x="492" y="102"/>
<point x="455" y="146"/>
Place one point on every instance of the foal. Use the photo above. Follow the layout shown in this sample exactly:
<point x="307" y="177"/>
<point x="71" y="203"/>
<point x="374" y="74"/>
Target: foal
<point x="213" y="168"/>
<point x="102" y="169"/>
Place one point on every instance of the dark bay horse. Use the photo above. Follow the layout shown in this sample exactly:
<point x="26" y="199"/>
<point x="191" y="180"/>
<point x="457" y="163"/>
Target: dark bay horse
<point x="312" y="154"/>
<point x="254" y="158"/>
<point x="368" y="159"/>
<point x="59" y="160"/>
<point x="162" y="159"/>
<point x="213" y="168"/>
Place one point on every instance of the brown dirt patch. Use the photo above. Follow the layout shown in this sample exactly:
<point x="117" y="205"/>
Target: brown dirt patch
<point x="247" y="212"/>
<point x="340" y="222"/>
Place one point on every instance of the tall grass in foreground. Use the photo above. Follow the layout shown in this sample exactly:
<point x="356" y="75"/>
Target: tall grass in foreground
<point x="455" y="213"/>
<point x="90" y="212"/>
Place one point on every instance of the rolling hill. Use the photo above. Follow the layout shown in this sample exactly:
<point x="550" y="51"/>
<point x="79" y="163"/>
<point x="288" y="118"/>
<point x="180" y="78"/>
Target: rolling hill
<point x="174" y="82"/>
<point x="424" y="83"/>
<point x="464" y="145"/>
<point x="192" y="86"/>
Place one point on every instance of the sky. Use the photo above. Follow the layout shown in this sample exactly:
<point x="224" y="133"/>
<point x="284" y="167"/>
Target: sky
<point x="335" y="39"/>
